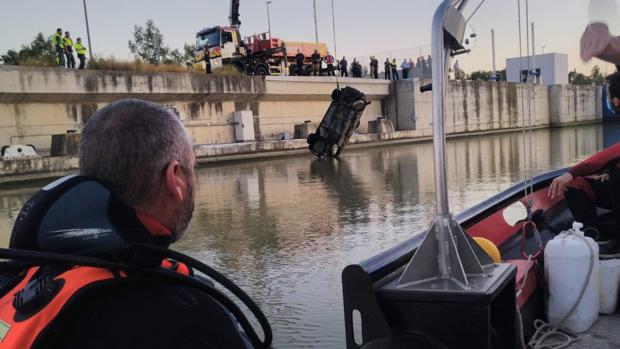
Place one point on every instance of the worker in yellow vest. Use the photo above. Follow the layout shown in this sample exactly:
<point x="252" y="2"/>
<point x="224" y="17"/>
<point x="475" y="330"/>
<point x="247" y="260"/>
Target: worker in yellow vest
<point x="69" y="50"/>
<point x="81" y="52"/>
<point x="59" y="46"/>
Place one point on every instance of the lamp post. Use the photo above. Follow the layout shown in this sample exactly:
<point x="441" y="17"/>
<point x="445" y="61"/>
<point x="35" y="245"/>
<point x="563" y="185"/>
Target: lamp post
<point x="90" y="45"/>
<point x="268" y="18"/>
<point x="316" y="27"/>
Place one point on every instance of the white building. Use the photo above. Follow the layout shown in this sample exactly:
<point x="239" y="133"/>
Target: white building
<point x="551" y="67"/>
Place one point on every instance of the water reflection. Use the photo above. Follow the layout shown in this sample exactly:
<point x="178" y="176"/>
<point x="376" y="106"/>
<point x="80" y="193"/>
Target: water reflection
<point x="285" y="228"/>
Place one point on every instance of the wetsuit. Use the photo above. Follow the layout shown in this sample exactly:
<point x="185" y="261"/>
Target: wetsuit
<point x="584" y="194"/>
<point x="152" y="314"/>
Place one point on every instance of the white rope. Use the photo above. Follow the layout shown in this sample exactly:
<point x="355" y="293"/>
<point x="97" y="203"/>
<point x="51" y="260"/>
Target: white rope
<point x="562" y="337"/>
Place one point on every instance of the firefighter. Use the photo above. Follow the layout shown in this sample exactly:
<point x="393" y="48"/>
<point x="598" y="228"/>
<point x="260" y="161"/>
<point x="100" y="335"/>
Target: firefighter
<point x="316" y="63"/>
<point x="344" y="66"/>
<point x="299" y="61"/>
<point x="329" y="59"/>
<point x="387" y="67"/>
<point x="68" y="42"/>
<point x="59" y="46"/>
<point x="81" y="52"/>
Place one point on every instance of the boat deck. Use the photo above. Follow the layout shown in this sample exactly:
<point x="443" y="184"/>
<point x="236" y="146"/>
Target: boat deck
<point x="604" y="334"/>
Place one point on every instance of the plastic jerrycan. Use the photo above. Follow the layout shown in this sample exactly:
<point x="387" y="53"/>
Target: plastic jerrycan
<point x="567" y="261"/>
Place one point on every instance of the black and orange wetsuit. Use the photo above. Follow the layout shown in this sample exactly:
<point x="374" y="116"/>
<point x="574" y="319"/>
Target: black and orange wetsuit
<point x="95" y="307"/>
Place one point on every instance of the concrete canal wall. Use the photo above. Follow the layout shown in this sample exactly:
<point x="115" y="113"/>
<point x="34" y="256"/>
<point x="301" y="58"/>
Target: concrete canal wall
<point x="36" y="103"/>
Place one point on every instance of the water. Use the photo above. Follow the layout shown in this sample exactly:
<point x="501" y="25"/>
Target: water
<point x="285" y="228"/>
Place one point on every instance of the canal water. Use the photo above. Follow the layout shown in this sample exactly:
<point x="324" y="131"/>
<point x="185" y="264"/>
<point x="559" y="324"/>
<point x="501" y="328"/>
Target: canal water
<point x="285" y="228"/>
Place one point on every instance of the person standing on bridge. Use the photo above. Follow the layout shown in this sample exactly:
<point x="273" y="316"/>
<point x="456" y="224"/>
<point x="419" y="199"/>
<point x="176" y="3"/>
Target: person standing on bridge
<point x="405" y="67"/>
<point x="59" y="46"/>
<point x="299" y="61"/>
<point x="329" y="59"/>
<point x="316" y="63"/>
<point x="387" y="68"/>
<point x="394" y="67"/>
<point x="344" y="66"/>
<point x="68" y="42"/>
<point x="374" y="67"/>
<point x="81" y="52"/>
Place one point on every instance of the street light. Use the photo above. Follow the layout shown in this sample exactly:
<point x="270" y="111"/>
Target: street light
<point x="268" y="19"/>
<point x="316" y="27"/>
<point x="90" y="45"/>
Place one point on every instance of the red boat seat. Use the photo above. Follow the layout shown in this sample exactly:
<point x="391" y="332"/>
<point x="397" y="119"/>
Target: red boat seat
<point x="524" y="267"/>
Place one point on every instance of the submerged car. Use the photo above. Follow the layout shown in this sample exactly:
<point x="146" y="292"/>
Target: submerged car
<point x="341" y="119"/>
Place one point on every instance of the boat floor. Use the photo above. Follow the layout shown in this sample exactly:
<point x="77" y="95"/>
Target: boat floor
<point x="604" y="334"/>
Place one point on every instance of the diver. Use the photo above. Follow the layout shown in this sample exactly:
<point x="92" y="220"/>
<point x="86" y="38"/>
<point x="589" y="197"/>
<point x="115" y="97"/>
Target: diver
<point x="133" y="197"/>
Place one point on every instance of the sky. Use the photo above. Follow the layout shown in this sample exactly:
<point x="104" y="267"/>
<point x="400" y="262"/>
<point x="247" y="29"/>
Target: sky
<point x="400" y="28"/>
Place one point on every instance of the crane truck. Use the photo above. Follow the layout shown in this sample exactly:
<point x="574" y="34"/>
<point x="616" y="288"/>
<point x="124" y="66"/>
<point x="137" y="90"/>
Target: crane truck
<point x="259" y="54"/>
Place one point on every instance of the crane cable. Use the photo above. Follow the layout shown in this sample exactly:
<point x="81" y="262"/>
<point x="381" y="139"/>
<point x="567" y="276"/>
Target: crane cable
<point x="335" y="47"/>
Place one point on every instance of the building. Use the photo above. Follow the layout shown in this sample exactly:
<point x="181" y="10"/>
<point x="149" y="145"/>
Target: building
<point x="551" y="68"/>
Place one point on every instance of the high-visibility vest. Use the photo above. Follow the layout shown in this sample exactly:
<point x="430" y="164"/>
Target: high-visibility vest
<point x="58" y="40"/>
<point x="80" y="49"/>
<point x="67" y="42"/>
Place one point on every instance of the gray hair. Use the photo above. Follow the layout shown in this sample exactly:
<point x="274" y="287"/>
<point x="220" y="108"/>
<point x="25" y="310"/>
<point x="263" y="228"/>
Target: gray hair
<point x="127" y="145"/>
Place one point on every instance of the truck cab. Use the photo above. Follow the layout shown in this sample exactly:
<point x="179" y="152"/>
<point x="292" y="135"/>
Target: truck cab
<point x="221" y="44"/>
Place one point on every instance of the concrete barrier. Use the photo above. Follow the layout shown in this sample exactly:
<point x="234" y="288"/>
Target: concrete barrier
<point x="36" y="103"/>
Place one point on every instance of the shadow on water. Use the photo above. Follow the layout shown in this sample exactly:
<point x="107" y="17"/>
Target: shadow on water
<point x="285" y="228"/>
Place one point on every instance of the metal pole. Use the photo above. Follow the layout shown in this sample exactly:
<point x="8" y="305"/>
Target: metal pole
<point x="440" y="55"/>
<point x="534" y="55"/>
<point x="493" y="47"/>
<point x="268" y="18"/>
<point x="316" y="27"/>
<point x="544" y="49"/>
<point x="90" y="44"/>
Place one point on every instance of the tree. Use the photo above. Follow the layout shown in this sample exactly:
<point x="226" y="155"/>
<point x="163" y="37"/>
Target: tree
<point x="38" y="52"/>
<point x="482" y="75"/>
<point x="596" y="76"/>
<point x="188" y="53"/>
<point x="148" y="43"/>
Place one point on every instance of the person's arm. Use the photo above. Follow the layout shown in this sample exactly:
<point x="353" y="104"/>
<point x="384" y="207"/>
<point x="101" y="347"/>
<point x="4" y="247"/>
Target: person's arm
<point x="596" y="41"/>
<point x="587" y="167"/>
<point x="596" y="162"/>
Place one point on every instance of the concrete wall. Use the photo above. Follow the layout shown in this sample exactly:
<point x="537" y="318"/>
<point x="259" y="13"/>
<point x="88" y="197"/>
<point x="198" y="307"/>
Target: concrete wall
<point x="475" y="106"/>
<point x="38" y="102"/>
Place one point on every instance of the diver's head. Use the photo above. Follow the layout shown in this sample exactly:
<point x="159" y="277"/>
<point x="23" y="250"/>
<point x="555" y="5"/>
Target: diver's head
<point x="613" y="81"/>
<point x="144" y="155"/>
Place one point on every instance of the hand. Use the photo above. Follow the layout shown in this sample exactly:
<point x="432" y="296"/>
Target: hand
<point x="594" y="40"/>
<point x="559" y="185"/>
<point x="603" y="177"/>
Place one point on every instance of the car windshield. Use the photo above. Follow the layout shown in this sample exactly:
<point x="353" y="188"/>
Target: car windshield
<point x="212" y="38"/>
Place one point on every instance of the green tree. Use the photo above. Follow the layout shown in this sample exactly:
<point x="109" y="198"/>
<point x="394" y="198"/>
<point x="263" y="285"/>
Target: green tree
<point x="188" y="53"/>
<point x="482" y="75"/>
<point x="148" y="43"/>
<point x="576" y="78"/>
<point x="38" y="52"/>
<point x="596" y="76"/>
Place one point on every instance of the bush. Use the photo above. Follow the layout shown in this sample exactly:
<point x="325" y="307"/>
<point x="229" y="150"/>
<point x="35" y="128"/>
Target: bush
<point x="227" y="70"/>
<point x="38" y="53"/>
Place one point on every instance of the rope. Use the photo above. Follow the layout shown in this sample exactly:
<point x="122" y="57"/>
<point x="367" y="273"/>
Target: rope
<point x="524" y="173"/>
<point x="335" y="46"/>
<point x="563" y="337"/>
